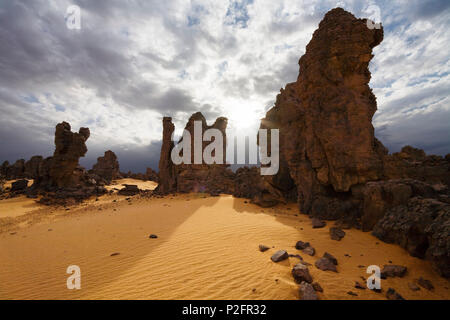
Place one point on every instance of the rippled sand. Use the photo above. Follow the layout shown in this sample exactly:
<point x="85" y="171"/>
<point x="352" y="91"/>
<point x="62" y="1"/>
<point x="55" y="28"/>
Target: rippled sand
<point x="207" y="248"/>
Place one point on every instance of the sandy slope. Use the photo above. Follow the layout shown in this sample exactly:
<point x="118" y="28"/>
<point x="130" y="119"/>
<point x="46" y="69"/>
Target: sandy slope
<point x="207" y="248"/>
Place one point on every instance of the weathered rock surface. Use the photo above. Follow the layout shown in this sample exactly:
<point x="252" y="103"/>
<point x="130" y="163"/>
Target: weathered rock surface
<point x="424" y="283"/>
<point x="309" y="251"/>
<point x="300" y="272"/>
<point x="307" y="292"/>
<point x="325" y="264"/>
<point x="19" y="186"/>
<point x="391" y="294"/>
<point x="107" y="167"/>
<point x="326" y="135"/>
<point x="328" y="150"/>
<point x="391" y="271"/>
<point x="151" y="175"/>
<point x="248" y="183"/>
<point x="59" y="177"/>
<point x="317" y="287"/>
<point x="300" y="245"/>
<point x="129" y="190"/>
<point x="210" y="178"/>
<point x="317" y="223"/>
<point x="336" y="233"/>
<point x="69" y="147"/>
<point x="422" y="227"/>
<point x="280" y="255"/>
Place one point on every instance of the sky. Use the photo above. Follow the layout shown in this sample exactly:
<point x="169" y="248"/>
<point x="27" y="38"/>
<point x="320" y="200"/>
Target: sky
<point x="133" y="62"/>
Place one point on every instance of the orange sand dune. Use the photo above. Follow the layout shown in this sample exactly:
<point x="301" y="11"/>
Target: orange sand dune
<point x="207" y="248"/>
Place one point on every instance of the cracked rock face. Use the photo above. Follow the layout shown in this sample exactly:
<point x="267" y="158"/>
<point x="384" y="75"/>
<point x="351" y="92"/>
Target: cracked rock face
<point x="325" y="118"/>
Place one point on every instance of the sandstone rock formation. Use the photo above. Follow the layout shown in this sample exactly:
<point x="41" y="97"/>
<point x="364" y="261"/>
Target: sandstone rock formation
<point x="326" y="136"/>
<point x="70" y="147"/>
<point x="329" y="152"/>
<point x="210" y="178"/>
<point x="167" y="178"/>
<point x="32" y="167"/>
<point x="151" y="175"/>
<point x="107" y="167"/>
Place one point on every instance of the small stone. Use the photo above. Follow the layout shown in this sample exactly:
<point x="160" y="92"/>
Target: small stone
<point x="254" y="290"/>
<point x="325" y="264"/>
<point x="300" y="245"/>
<point x="391" y="294"/>
<point x="309" y="251"/>
<point x="263" y="248"/>
<point x="115" y="254"/>
<point x="424" y="283"/>
<point x="361" y="266"/>
<point x="316" y="223"/>
<point x="351" y="293"/>
<point x="301" y="273"/>
<point x="317" y="287"/>
<point x="153" y="236"/>
<point x="336" y="233"/>
<point x="307" y="292"/>
<point x="330" y="257"/>
<point x="359" y="286"/>
<point x="280" y="255"/>
<point x="393" y="271"/>
<point x="413" y="286"/>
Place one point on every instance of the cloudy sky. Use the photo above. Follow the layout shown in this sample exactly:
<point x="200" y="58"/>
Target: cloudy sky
<point x="133" y="62"/>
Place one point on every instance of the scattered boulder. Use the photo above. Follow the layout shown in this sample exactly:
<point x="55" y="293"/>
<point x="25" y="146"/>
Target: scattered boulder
<point x="336" y="233"/>
<point x="317" y="287"/>
<point x="19" y="186"/>
<point x="309" y="251"/>
<point x="263" y="248"/>
<point x="424" y="283"/>
<point x="392" y="271"/>
<point x="153" y="236"/>
<point x="300" y="272"/>
<point x="422" y="228"/>
<point x="280" y="255"/>
<point x="413" y="286"/>
<point x="325" y="264"/>
<point x="391" y="294"/>
<point x="358" y="285"/>
<point x="129" y="190"/>
<point x="300" y="245"/>
<point x="307" y="292"/>
<point x="331" y="258"/>
<point x="351" y="293"/>
<point x="317" y="223"/>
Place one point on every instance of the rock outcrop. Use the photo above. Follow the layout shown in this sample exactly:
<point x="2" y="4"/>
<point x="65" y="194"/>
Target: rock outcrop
<point x="327" y="139"/>
<point x="167" y="172"/>
<point x="107" y="167"/>
<point x="329" y="151"/>
<point x="422" y="227"/>
<point x="201" y="177"/>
